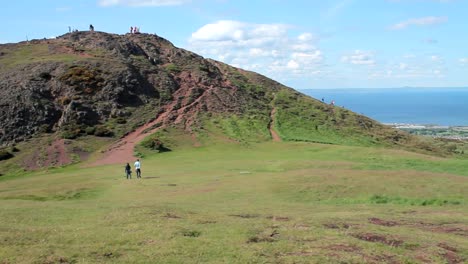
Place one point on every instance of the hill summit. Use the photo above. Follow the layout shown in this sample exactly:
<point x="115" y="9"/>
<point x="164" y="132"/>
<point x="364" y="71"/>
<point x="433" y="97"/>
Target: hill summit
<point x="127" y="87"/>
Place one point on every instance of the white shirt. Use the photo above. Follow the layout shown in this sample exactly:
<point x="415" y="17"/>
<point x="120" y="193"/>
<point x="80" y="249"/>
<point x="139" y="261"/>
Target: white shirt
<point x="137" y="165"/>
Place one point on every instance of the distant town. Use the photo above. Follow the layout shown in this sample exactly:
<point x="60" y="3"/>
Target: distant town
<point x="436" y="131"/>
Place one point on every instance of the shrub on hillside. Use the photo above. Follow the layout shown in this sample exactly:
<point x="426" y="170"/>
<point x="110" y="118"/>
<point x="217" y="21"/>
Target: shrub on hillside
<point x="14" y="149"/>
<point x="71" y="131"/>
<point x="172" y="68"/>
<point x="102" y="131"/>
<point x="121" y="120"/>
<point x="90" y="130"/>
<point x="4" y="155"/>
<point x="44" y="128"/>
<point x="154" y="144"/>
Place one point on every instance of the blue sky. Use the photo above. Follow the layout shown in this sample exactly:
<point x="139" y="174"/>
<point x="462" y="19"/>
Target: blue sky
<point x="303" y="44"/>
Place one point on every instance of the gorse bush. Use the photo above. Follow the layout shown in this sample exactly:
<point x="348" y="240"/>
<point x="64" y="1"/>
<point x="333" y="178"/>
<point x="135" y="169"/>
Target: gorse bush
<point x="154" y="144"/>
<point x="102" y="131"/>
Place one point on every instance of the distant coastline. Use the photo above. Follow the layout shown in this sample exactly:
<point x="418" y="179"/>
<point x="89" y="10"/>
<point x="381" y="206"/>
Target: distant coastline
<point x="447" y="132"/>
<point x="387" y="88"/>
<point x="443" y="107"/>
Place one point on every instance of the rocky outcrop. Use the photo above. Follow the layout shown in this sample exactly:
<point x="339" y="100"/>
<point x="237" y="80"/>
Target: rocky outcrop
<point x="83" y="79"/>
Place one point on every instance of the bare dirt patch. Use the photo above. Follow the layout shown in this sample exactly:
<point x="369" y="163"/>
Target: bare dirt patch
<point x="343" y="248"/>
<point x="382" y="258"/>
<point x="302" y="226"/>
<point x="376" y="238"/>
<point x="57" y="259"/>
<point x="460" y="230"/>
<point x="266" y="236"/>
<point x="247" y="216"/>
<point x="82" y="154"/>
<point x="455" y="229"/>
<point x="450" y="255"/>
<point x="447" y="247"/>
<point x="206" y="222"/>
<point x="55" y="154"/>
<point x="171" y="216"/>
<point x="279" y="218"/>
<point x="148" y="242"/>
<point x="377" y="221"/>
<point x="337" y="226"/>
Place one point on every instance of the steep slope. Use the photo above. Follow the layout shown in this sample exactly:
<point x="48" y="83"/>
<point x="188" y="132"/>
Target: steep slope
<point x="129" y="86"/>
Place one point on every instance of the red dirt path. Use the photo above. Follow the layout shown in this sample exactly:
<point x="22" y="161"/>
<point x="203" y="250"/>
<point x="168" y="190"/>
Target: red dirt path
<point x="122" y="150"/>
<point x="274" y="134"/>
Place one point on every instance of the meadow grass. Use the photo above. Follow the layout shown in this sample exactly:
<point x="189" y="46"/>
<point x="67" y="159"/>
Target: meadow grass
<point x="275" y="202"/>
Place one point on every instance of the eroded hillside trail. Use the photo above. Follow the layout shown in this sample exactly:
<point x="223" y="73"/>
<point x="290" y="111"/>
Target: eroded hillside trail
<point x="122" y="150"/>
<point x="271" y="126"/>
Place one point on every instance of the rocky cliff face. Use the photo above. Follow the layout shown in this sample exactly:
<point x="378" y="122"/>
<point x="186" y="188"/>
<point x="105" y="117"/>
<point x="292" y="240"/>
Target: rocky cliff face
<point x="85" y="78"/>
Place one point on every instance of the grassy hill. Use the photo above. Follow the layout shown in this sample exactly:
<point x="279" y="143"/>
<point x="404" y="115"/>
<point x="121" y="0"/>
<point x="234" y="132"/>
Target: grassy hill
<point x="273" y="202"/>
<point x="84" y="90"/>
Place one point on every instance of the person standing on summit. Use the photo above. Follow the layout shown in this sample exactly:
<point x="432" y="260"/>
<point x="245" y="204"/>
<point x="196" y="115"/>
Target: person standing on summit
<point x="138" y="168"/>
<point x="91" y="27"/>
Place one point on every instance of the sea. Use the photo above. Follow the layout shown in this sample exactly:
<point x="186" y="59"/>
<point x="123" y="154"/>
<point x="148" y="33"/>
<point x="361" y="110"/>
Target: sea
<point x="415" y="106"/>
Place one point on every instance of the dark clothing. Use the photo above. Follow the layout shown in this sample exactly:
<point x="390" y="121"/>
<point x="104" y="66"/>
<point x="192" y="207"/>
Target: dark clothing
<point x="128" y="171"/>
<point x="138" y="172"/>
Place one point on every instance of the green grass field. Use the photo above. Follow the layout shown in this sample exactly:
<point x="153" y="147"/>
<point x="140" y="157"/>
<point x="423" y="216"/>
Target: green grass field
<point x="230" y="203"/>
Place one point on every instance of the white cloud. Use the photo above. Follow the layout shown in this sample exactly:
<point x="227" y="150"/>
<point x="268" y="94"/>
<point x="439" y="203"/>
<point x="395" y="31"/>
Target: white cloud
<point x="292" y="64"/>
<point x="268" y="48"/>
<point x="305" y="37"/>
<point x="359" y="57"/>
<point x="138" y="3"/>
<point x="239" y="32"/>
<point x="257" y="52"/>
<point x="423" y="21"/>
<point x="308" y="57"/>
<point x="463" y="61"/>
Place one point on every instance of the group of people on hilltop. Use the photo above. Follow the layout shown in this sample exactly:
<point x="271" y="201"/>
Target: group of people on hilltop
<point x="128" y="170"/>
<point x="134" y="30"/>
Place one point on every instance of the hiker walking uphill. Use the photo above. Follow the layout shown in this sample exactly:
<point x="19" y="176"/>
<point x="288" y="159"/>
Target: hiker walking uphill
<point x="138" y="168"/>
<point x="128" y="171"/>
